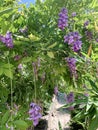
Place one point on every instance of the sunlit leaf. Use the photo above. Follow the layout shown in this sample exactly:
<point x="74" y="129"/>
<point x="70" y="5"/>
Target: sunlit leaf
<point x="6" y="11"/>
<point x="1" y="71"/>
<point x="50" y="54"/>
<point x="94" y="124"/>
<point x="5" y="117"/>
<point x="20" y="124"/>
<point x="8" y="73"/>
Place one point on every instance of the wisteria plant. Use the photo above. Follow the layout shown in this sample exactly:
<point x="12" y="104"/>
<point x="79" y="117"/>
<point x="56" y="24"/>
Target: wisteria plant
<point x="48" y="44"/>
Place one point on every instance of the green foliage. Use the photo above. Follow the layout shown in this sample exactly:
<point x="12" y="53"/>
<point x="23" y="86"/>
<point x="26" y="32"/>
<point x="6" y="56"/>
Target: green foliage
<point x="20" y="124"/>
<point x="6" y="69"/>
<point x="93" y="124"/>
<point x="6" y="11"/>
<point x="60" y="127"/>
<point x="43" y="40"/>
<point x="86" y="108"/>
<point x="5" y="117"/>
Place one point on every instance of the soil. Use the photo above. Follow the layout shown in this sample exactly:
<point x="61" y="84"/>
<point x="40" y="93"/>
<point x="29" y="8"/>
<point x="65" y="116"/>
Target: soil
<point x="43" y="125"/>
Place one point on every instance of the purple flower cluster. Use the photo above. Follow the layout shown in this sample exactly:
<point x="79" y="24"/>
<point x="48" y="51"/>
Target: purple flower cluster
<point x="86" y="94"/>
<point x="72" y="66"/>
<point x="97" y="40"/>
<point x="20" y="66"/>
<point x="7" y="39"/>
<point x="63" y="19"/>
<point x="69" y="99"/>
<point x="17" y="57"/>
<point x="73" y="14"/>
<point x="89" y="35"/>
<point x="34" y="113"/>
<point x="86" y="23"/>
<point x="87" y="32"/>
<point x="73" y="39"/>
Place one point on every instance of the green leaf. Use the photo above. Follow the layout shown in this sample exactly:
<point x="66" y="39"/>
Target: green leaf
<point x="50" y="54"/>
<point x="85" y="55"/>
<point x="21" y="38"/>
<point x="6" y="69"/>
<point x="81" y="101"/>
<point x="33" y="37"/>
<point x="4" y="128"/>
<point x="8" y="73"/>
<point x="21" y="124"/>
<point x="1" y="2"/>
<point x="5" y="11"/>
<point x="94" y="124"/>
<point x="5" y="117"/>
<point x="94" y="86"/>
<point x="52" y="46"/>
<point x="27" y="59"/>
<point x="78" y="116"/>
<point x="1" y="71"/>
<point x="88" y="106"/>
<point x="7" y="65"/>
<point x="60" y="127"/>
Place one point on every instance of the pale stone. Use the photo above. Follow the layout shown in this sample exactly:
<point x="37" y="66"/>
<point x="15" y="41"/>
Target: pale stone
<point x="56" y="116"/>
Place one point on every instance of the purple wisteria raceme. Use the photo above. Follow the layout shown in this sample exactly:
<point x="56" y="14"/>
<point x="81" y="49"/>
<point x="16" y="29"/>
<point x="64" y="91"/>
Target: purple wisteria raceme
<point x="69" y="99"/>
<point x="86" y="23"/>
<point x="17" y="57"/>
<point x="86" y="94"/>
<point x="20" y="66"/>
<point x="73" y="39"/>
<point x="1" y="38"/>
<point x="7" y="39"/>
<point x="34" y="113"/>
<point x="63" y="19"/>
<point x="73" y="14"/>
<point x="97" y="40"/>
<point x="72" y="66"/>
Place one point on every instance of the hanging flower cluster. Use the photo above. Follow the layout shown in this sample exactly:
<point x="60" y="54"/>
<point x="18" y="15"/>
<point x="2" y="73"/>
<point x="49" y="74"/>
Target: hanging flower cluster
<point x="88" y="33"/>
<point x="7" y="39"/>
<point x="63" y="19"/>
<point x="69" y="99"/>
<point x="97" y="40"/>
<point x="64" y="98"/>
<point x="72" y="66"/>
<point x="34" y="113"/>
<point x="20" y="66"/>
<point x="86" y="23"/>
<point x="17" y="57"/>
<point x="73" y="39"/>
<point x="73" y="14"/>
